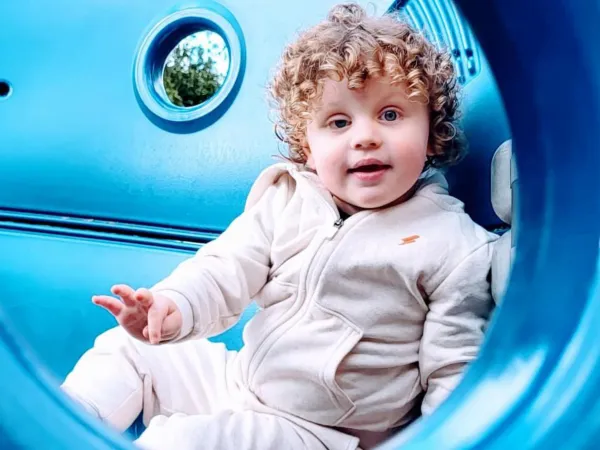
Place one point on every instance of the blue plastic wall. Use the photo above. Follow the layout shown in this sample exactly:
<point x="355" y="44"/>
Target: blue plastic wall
<point x="95" y="190"/>
<point x="92" y="182"/>
<point x="75" y="141"/>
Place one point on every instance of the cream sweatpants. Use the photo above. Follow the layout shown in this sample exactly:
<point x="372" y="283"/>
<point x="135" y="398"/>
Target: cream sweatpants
<point x="187" y="399"/>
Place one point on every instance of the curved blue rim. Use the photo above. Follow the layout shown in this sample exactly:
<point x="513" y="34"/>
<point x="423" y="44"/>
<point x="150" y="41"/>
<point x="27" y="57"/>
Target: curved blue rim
<point x="153" y="52"/>
<point x="535" y="384"/>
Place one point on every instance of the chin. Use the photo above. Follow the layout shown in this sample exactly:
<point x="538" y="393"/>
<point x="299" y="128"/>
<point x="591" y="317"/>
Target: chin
<point x="381" y="203"/>
<point x="372" y="204"/>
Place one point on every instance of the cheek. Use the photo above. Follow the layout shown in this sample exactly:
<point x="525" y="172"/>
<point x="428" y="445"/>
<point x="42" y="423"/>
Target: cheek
<point x="412" y="148"/>
<point x="322" y="155"/>
<point x="327" y="167"/>
<point x="411" y="152"/>
<point x="330" y="167"/>
<point x="415" y="135"/>
<point x="310" y="161"/>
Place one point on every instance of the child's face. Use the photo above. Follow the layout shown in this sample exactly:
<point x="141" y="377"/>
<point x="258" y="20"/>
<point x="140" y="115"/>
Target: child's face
<point x="368" y="146"/>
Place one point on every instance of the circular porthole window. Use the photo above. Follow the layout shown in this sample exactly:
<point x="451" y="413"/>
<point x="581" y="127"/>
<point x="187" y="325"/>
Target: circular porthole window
<point x="196" y="69"/>
<point x="189" y="68"/>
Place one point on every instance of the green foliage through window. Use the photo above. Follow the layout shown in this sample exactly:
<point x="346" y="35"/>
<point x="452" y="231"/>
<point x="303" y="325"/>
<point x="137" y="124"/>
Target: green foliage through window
<point x="195" y="69"/>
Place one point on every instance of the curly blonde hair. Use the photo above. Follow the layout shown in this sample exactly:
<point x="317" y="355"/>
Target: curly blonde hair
<point x="351" y="45"/>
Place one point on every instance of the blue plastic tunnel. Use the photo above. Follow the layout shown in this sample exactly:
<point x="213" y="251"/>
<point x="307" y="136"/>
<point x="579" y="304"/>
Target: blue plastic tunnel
<point x="536" y="384"/>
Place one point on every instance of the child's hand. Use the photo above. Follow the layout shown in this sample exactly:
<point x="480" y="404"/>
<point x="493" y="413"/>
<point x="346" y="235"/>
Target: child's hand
<point x="148" y="317"/>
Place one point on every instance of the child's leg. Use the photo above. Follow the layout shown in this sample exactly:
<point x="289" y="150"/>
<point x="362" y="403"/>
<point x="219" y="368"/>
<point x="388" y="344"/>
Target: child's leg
<point x="120" y="377"/>
<point x="226" y="430"/>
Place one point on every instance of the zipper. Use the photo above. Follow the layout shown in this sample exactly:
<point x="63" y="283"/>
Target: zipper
<point x="334" y="229"/>
<point x="263" y="348"/>
<point x="272" y="336"/>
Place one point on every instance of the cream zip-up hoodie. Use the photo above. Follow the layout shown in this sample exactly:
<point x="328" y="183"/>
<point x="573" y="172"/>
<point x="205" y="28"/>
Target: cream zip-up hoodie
<point x="357" y="317"/>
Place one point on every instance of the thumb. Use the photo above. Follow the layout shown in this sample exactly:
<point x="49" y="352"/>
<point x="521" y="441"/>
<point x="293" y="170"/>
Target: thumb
<point x="156" y="315"/>
<point x="172" y="325"/>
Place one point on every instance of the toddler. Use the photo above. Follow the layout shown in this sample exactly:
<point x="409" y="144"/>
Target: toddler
<point x="372" y="281"/>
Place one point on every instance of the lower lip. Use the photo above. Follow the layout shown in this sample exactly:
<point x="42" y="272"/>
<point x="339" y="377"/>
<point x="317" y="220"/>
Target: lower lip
<point x="370" y="176"/>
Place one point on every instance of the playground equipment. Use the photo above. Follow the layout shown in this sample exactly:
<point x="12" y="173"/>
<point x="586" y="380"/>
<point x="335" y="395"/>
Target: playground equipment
<point x="103" y="181"/>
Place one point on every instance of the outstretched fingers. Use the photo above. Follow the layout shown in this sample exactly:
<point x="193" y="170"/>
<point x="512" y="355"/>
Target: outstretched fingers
<point x="144" y="297"/>
<point x="111" y="304"/>
<point x="126" y="293"/>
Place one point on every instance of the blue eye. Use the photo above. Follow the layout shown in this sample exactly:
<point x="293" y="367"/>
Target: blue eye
<point x="340" y="123"/>
<point x="390" y="115"/>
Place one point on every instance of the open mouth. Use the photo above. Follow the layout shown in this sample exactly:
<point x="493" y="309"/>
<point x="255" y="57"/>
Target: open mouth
<point x="369" y="168"/>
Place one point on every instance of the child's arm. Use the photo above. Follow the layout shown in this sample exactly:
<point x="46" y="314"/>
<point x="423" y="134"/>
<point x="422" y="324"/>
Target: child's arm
<point x="212" y="288"/>
<point x="454" y="327"/>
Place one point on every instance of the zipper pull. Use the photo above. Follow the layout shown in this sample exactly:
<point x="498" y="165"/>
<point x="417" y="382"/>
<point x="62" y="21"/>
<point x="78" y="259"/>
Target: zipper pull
<point x="336" y="227"/>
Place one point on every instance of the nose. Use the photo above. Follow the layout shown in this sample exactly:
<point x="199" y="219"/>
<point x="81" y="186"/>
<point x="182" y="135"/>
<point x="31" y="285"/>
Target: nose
<point x="365" y="135"/>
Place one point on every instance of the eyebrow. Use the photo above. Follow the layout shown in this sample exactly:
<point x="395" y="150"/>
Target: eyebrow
<point x="396" y="97"/>
<point x="326" y="110"/>
<point x="328" y="106"/>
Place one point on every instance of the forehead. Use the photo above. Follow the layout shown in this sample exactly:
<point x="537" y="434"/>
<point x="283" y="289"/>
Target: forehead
<point x="374" y="90"/>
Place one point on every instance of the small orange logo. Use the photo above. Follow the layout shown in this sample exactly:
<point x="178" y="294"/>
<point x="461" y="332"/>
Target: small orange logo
<point x="409" y="239"/>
